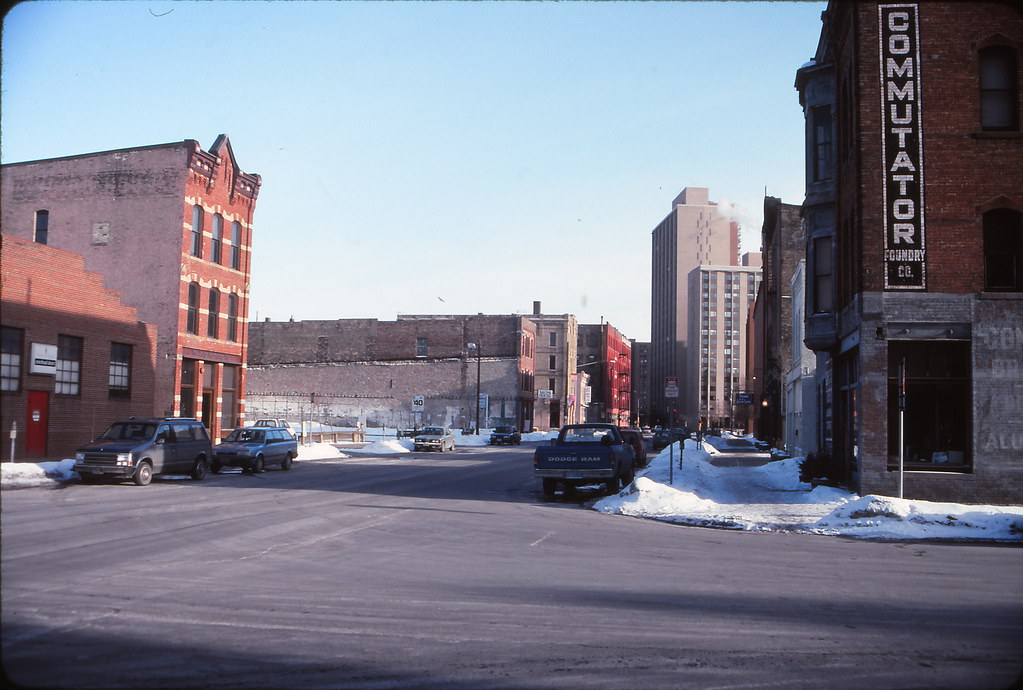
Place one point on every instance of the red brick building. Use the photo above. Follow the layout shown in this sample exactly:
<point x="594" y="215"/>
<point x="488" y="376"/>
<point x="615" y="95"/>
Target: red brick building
<point x="74" y="357"/>
<point x="169" y="227"/>
<point x="914" y="297"/>
<point x="605" y="354"/>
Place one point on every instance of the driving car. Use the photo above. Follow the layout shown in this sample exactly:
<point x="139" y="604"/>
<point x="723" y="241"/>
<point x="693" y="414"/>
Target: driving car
<point x="505" y="434"/>
<point x="253" y="448"/>
<point x="439" y="438"/>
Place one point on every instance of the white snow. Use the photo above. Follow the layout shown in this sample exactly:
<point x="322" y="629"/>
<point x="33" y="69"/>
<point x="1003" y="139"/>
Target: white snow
<point x="769" y="497"/>
<point x="772" y="498"/>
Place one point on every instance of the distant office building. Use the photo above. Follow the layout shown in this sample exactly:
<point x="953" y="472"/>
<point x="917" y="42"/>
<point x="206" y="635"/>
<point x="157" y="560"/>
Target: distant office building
<point x="720" y="298"/>
<point x="914" y="274"/>
<point x="169" y="227"/>
<point x="693" y="234"/>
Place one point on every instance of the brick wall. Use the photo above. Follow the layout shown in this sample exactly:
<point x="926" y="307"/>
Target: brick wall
<point x="47" y="292"/>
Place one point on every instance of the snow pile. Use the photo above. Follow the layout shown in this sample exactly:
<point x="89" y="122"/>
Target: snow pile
<point x="771" y="497"/>
<point x="386" y="447"/>
<point x="17" y="475"/>
<point x="480" y="439"/>
<point x="318" y="451"/>
<point x="884" y="516"/>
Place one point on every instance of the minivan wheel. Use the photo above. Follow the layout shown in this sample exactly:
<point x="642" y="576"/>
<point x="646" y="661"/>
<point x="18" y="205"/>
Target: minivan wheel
<point x="200" y="469"/>
<point x="144" y="473"/>
<point x="257" y="464"/>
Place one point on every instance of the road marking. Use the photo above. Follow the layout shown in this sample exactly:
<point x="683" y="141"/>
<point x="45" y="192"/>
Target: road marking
<point x="549" y="534"/>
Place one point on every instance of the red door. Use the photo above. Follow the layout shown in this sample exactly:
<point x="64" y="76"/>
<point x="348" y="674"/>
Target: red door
<point x="36" y="423"/>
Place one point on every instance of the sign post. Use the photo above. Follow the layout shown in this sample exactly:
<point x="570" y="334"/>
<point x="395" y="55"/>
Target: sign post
<point x="902" y="422"/>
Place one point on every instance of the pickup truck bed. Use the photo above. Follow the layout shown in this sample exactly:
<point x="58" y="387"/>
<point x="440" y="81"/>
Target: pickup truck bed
<point x="585" y="454"/>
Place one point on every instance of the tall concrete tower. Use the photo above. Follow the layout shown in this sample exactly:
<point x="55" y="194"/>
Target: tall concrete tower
<point x="693" y="234"/>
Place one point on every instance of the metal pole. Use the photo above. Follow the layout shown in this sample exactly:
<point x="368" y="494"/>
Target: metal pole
<point x="14" y="435"/>
<point x="902" y="423"/>
<point x="478" y="345"/>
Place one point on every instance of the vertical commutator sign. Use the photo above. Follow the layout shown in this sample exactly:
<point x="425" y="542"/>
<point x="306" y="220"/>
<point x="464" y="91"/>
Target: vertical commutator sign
<point x="902" y="148"/>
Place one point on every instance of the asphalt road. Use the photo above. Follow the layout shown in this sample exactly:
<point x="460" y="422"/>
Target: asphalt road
<point x="454" y="571"/>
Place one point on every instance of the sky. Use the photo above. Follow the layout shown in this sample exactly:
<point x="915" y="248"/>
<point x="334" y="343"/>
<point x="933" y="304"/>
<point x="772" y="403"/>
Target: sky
<point x="435" y="157"/>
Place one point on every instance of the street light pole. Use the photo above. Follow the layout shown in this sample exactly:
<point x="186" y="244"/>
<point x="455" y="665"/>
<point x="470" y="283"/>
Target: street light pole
<point x="476" y="346"/>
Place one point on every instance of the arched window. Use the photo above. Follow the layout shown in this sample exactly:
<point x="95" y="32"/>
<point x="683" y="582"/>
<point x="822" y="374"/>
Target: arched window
<point x="192" y="321"/>
<point x="1003" y="250"/>
<point x="197" y="216"/>
<point x="218" y="237"/>
<point x="213" y="318"/>
<point x="999" y="95"/>
<point x="42" y="229"/>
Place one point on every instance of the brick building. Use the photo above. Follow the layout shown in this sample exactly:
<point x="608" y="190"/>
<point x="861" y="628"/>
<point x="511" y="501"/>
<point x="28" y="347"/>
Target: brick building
<point x="169" y="227"/>
<point x="605" y="354"/>
<point x="74" y="357"/>
<point x="557" y="337"/>
<point x="783" y="245"/>
<point x="914" y="296"/>
<point x="413" y="371"/>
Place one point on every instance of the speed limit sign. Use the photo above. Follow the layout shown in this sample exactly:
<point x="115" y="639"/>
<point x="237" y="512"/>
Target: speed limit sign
<point x="418" y="403"/>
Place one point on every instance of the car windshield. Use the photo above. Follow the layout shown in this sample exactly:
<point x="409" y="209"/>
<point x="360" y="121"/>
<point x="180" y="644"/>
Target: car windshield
<point x="584" y="435"/>
<point x="505" y="430"/>
<point x="433" y="431"/>
<point x="244" y="436"/>
<point x="129" y="431"/>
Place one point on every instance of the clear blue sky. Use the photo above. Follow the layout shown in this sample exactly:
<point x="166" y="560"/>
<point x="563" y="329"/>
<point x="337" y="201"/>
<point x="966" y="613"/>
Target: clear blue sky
<point x="435" y="158"/>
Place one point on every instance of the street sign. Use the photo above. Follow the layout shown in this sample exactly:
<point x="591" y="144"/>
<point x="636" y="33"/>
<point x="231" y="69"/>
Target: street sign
<point x="545" y="394"/>
<point x="670" y="386"/>
<point x="418" y="403"/>
<point x="743" y="398"/>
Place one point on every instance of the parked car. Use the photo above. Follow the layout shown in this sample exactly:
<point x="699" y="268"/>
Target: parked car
<point x="140" y="448"/>
<point x="407" y="433"/>
<point x="634" y="437"/>
<point x="253" y="448"/>
<point x="278" y="424"/>
<point x="437" y="438"/>
<point x="585" y="454"/>
<point x="505" y="434"/>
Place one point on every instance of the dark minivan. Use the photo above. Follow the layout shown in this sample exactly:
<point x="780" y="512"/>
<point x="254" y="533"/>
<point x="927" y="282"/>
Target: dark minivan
<point x="140" y="448"/>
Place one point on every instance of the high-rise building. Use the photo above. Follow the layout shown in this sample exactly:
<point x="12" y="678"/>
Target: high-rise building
<point x="693" y="234"/>
<point x="720" y="298"/>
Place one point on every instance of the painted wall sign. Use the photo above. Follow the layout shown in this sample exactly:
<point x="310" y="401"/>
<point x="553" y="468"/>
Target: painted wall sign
<point x="905" y="251"/>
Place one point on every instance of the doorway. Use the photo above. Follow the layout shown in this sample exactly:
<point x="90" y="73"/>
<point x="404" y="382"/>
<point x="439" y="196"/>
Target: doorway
<point x="37" y="422"/>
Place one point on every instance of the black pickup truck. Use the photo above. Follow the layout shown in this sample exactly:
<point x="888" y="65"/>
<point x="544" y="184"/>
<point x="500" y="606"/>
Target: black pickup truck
<point x="585" y="454"/>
